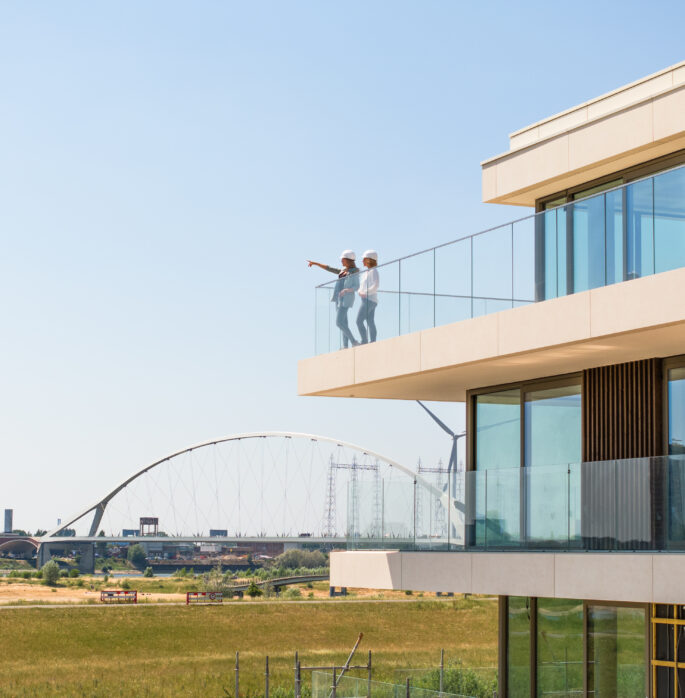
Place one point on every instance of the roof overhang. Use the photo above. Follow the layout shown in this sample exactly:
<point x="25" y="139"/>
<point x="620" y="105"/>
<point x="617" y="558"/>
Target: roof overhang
<point x="629" y="126"/>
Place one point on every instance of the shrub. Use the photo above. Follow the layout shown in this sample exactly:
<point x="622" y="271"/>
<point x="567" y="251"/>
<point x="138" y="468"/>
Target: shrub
<point x="294" y="559"/>
<point x="38" y="574"/>
<point x="50" y="572"/>
<point x="73" y="573"/>
<point x="460" y="680"/>
<point x="253" y="590"/>
<point x="26" y="575"/>
<point x="292" y="593"/>
<point x="105" y="578"/>
<point x="125" y="584"/>
<point x="148" y="572"/>
<point x="63" y="573"/>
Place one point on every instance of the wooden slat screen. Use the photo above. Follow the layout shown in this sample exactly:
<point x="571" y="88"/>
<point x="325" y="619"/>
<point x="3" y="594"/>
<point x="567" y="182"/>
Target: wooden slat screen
<point x="622" y="411"/>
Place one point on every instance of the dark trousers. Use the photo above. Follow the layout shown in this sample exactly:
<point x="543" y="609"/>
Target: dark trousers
<point x="366" y="314"/>
<point x="341" y="322"/>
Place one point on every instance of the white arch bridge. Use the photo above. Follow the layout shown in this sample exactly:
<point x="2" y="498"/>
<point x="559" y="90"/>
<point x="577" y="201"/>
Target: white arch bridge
<point x="279" y="488"/>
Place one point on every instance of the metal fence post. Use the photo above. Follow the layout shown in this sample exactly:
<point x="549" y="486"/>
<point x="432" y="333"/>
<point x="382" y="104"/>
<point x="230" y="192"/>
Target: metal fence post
<point x="408" y="693"/>
<point x="297" y="676"/>
<point x="334" y="691"/>
<point x="266" y="678"/>
<point x="237" y="674"/>
<point x="442" y="668"/>
<point x="368" y="684"/>
<point x="414" y="544"/>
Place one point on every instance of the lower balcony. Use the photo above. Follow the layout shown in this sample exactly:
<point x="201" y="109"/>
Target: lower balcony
<point x="617" y="505"/>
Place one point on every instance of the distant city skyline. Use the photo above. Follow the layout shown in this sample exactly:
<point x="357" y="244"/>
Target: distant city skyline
<point x="168" y="168"/>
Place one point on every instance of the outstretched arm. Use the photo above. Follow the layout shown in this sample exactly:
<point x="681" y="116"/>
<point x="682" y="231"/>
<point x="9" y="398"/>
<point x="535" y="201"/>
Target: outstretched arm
<point x="325" y="267"/>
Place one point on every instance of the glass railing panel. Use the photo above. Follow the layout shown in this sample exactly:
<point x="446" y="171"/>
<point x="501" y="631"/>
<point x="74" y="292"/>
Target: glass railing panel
<point x="417" y="298"/>
<point x="387" y="313"/>
<point x="453" y="282"/>
<point x="639" y="250"/>
<point x="639" y="491"/>
<point x="326" y="331"/>
<point x="492" y="265"/>
<point x="496" y="514"/>
<point x="588" y="243"/>
<point x="523" y="267"/>
<point x="674" y="504"/>
<point x="432" y="512"/>
<point x="669" y="220"/>
<point x="546" y="505"/>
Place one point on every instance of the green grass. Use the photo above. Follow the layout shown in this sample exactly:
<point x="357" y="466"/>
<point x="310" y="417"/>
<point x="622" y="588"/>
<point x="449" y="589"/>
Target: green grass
<point x="190" y="651"/>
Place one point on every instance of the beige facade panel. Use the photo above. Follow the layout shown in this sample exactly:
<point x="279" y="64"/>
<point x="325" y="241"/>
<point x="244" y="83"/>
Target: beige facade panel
<point x="383" y="567"/>
<point x="623" y="132"/>
<point x="404" y="356"/>
<point x="634" y="320"/>
<point x="445" y="574"/>
<point x="622" y="97"/>
<point x="527" y="574"/>
<point x="628" y="127"/>
<point x="628" y="577"/>
<point x="605" y="577"/>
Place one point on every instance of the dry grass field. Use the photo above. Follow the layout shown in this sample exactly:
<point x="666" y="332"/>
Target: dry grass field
<point x="164" y="650"/>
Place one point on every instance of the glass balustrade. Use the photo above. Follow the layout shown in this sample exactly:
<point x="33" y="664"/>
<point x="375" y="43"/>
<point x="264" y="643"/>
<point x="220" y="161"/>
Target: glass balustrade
<point x="617" y="235"/>
<point x="618" y="505"/>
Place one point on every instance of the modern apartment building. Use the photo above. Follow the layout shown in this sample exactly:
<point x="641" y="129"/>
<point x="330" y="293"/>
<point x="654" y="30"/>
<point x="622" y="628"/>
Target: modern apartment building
<point x="564" y="334"/>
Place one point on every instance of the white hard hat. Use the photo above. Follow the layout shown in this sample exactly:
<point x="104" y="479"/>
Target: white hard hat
<point x="348" y="254"/>
<point x="371" y="254"/>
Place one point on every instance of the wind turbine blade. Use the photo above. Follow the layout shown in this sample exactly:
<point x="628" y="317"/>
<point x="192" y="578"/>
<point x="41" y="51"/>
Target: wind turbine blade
<point x="437" y="420"/>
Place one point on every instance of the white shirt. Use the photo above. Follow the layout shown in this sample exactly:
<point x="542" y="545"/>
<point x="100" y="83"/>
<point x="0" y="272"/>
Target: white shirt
<point x="368" y="287"/>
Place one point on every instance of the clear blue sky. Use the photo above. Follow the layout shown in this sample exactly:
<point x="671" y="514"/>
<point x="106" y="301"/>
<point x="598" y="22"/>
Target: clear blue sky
<point x="167" y="167"/>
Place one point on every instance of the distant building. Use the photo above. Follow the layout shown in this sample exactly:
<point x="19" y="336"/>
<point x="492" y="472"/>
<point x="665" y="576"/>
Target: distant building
<point x="8" y="520"/>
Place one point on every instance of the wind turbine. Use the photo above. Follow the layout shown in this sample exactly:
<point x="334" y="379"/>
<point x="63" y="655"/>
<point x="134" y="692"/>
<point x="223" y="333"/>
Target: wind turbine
<point x="452" y="465"/>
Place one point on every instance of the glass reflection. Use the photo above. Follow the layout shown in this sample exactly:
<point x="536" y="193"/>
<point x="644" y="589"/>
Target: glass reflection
<point x="669" y="220"/>
<point x="518" y="646"/>
<point x="498" y="457"/>
<point x="616" y="652"/>
<point x="552" y="438"/>
<point x="560" y="647"/>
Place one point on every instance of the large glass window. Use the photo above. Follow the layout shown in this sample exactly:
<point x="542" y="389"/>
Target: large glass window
<point x="559" y="647"/>
<point x="616" y="651"/>
<point x="596" y="649"/>
<point x="518" y="646"/>
<point x="498" y="460"/>
<point x="676" y="411"/>
<point x="541" y="502"/>
<point x="552" y="418"/>
<point x="676" y="463"/>
<point x="669" y="220"/>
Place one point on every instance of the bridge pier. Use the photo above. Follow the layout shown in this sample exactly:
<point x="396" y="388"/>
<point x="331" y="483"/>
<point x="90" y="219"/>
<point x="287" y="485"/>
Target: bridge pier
<point x="86" y="551"/>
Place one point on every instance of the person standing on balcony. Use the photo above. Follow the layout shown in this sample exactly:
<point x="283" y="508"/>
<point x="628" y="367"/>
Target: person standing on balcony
<point x="343" y="294"/>
<point x="368" y="292"/>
